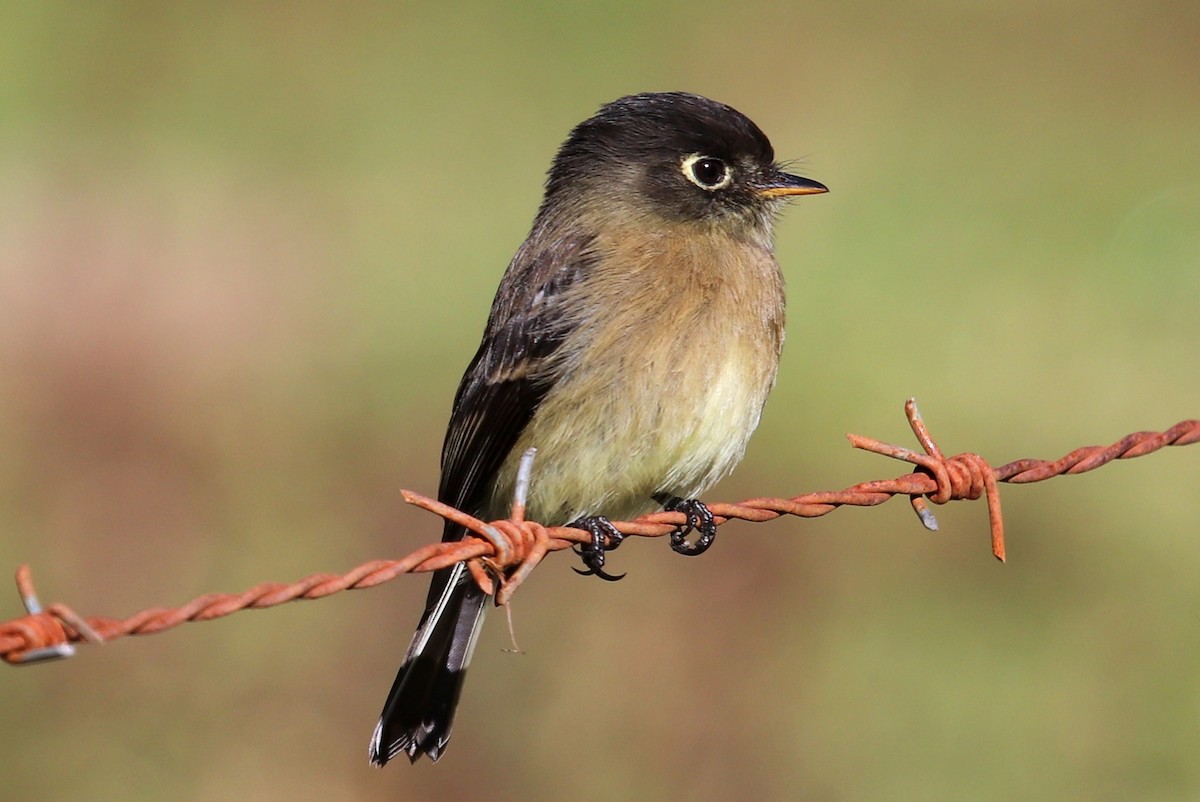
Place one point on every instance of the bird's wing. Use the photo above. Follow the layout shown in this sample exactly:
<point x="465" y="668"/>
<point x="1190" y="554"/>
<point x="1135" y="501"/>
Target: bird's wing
<point x="513" y="369"/>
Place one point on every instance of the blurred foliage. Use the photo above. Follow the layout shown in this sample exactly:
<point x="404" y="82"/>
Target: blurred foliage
<point x="246" y="250"/>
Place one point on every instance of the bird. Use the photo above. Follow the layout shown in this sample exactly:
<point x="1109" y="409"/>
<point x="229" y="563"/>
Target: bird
<point x="632" y="341"/>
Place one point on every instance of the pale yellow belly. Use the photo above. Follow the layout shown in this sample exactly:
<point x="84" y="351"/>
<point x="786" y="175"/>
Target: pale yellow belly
<point x="613" y="436"/>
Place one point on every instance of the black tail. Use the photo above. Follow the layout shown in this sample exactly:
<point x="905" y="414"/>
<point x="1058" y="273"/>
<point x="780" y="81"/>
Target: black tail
<point x="419" y="709"/>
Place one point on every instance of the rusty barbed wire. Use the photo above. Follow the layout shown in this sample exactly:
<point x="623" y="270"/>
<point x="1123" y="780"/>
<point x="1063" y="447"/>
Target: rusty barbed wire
<point x="503" y="553"/>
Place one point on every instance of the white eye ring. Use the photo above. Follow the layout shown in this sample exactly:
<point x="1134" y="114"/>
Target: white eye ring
<point x="707" y="172"/>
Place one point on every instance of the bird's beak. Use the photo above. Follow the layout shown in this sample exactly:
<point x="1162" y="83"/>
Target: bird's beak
<point x="780" y="185"/>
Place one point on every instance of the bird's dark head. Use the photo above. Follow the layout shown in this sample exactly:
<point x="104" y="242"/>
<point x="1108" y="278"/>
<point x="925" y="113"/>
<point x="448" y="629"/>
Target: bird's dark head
<point x="676" y="155"/>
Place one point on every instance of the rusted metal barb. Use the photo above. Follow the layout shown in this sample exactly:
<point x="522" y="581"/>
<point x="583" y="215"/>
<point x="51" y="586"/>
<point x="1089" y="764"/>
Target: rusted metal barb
<point x="963" y="476"/>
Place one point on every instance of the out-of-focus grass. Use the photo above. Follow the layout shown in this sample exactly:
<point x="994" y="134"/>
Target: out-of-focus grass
<point x="245" y="253"/>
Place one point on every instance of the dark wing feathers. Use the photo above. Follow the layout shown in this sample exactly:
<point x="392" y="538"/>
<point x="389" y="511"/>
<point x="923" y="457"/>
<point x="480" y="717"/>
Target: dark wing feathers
<point x="509" y="375"/>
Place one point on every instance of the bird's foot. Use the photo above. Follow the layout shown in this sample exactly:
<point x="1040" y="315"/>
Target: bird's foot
<point x="699" y="520"/>
<point x="593" y="553"/>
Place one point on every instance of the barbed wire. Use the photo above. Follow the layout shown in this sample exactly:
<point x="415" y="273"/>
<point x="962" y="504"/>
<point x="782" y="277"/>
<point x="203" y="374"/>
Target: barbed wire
<point x="502" y="554"/>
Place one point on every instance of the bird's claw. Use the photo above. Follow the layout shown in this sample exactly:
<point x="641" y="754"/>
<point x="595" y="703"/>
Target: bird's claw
<point x="699" y="519"/>
<point x="605" y="538"/>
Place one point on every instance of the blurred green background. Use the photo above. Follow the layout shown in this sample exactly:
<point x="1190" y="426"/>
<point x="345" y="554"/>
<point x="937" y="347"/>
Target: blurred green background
<point x="246" y="251"/>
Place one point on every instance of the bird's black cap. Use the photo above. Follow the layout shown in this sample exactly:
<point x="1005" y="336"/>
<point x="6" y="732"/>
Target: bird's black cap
<point x="691" y="157"/>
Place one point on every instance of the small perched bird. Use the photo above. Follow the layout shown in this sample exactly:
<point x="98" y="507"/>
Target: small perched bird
<point x="632" y="341"/>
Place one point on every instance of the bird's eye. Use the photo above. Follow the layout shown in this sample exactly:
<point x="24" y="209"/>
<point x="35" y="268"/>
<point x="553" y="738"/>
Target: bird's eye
<point x="707" y="172"/>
